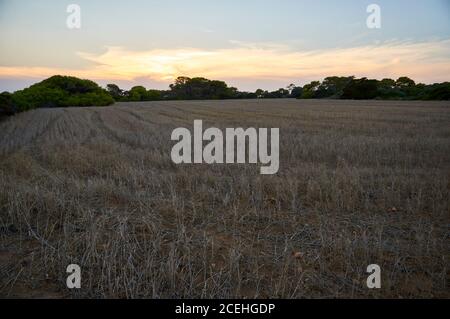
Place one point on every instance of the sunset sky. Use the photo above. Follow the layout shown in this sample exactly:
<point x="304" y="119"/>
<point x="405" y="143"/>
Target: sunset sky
<point x="247" y="43"/>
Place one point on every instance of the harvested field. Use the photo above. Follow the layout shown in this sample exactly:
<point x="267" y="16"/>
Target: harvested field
<point x="359" y="183"/>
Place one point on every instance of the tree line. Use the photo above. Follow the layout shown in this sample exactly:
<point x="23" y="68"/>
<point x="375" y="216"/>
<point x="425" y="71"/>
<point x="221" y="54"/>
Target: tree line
<point x="333" y="87"/>
<point x="64" y="91"/>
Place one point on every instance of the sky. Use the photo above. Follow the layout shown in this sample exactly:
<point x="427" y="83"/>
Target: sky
<point x="249" y="44"/>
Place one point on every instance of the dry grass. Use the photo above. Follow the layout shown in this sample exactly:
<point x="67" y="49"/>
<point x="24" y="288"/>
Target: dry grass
<point x="359" y="183"/>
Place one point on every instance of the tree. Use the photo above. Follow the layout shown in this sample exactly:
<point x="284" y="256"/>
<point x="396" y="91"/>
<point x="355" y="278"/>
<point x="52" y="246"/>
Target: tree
<point x="361" y="89"/>
<point x="437" y="91"/>
<point x="115" y="91"/>
<point x="405" y="82"/>
<point x="201" y="88"/>
<point x="137" y="93"/>
<point x="6" y="104"/>
<point x="180" y="89"/>
<point x="290" y="87"/>
<point x="332" y="87"/>
<point x="294" y="91"/>
<point x="387" y="89"/>
<point x="260" y="93"/>
<point x="407" y="87"/>
<point x="388" y="83"/>
<point x="297" y="92"/>
<point x="218" y="90"/>
<point x="310" y="89"/>
<point x="279" y="94"/>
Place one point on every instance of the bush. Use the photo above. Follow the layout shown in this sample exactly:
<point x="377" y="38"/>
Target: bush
<point x="61" y="91"/>
<point x="6" y="104"/>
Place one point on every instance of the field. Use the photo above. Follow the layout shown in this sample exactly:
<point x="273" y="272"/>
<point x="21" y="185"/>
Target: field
<point x="359" y="183"/>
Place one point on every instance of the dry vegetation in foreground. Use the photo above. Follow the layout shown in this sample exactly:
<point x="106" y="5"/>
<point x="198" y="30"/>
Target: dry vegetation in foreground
<point x="359" y="183"/>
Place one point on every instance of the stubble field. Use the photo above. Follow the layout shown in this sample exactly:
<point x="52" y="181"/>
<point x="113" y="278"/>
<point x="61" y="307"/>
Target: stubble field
<point x="359" y="183"/>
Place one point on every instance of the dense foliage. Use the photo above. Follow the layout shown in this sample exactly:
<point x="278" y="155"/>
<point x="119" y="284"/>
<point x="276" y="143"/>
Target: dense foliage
<point x="184" y="88"/>
<point x="334" y="87"/>
<point x="57" y="91"/>
<point x="351" y="88"/>
<point x="6" y="104"/>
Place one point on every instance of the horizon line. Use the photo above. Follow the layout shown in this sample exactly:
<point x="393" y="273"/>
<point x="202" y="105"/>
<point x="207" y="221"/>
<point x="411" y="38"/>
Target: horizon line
<point x="101" y="81"/>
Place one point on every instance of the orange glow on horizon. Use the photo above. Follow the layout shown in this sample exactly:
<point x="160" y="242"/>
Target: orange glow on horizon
<point x="427" y="61"/>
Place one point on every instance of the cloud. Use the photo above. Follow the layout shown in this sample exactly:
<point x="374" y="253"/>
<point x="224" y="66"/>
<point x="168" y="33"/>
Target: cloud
<point x="424" y="61"/>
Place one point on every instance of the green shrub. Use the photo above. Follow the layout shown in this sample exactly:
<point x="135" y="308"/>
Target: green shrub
<point x="6" y="104"/>
<point x="61" y="91"/>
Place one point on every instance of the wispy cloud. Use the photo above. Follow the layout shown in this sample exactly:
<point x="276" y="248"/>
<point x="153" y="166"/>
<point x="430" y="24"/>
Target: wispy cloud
<point x="425" y="61"/>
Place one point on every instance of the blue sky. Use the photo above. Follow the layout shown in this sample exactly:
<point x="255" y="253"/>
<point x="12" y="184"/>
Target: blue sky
<point x="35" y="41"/>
